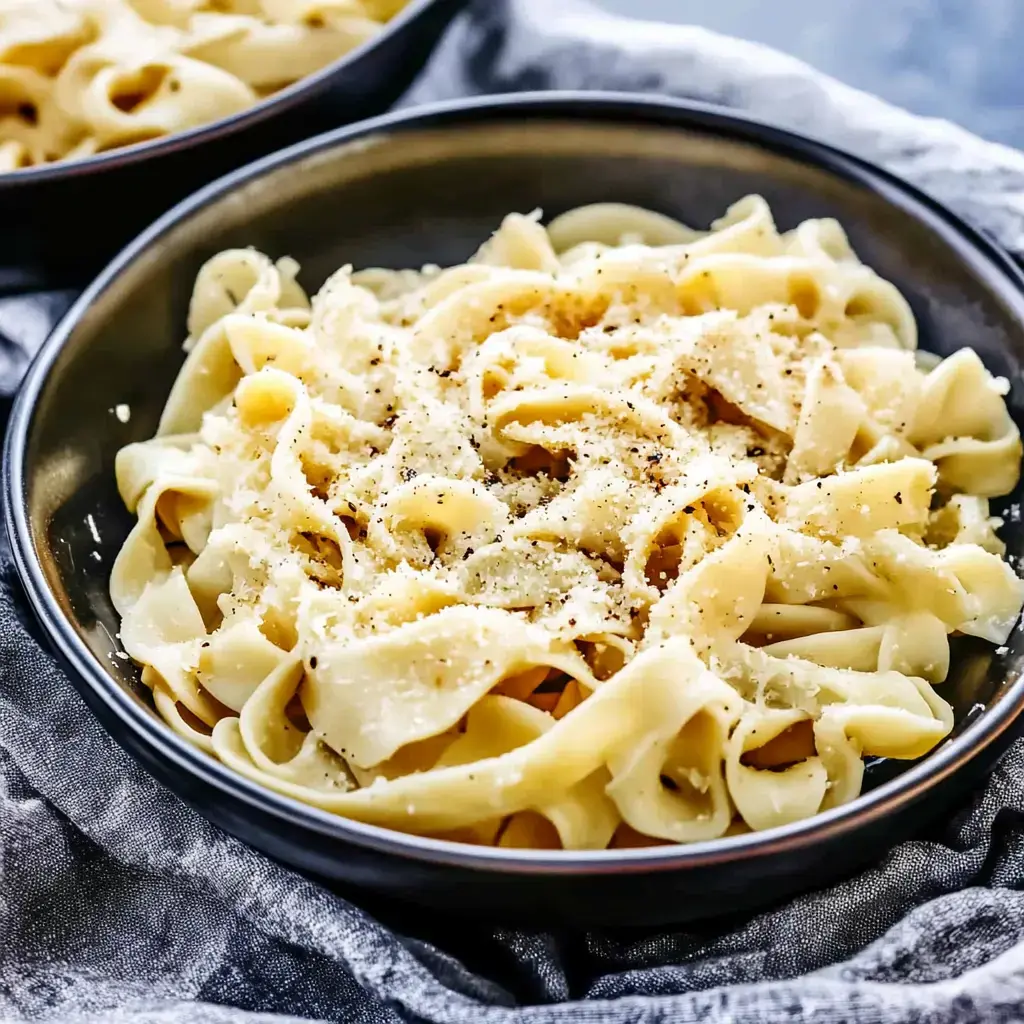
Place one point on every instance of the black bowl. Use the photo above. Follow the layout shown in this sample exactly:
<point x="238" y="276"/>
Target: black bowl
<point x="63" y="221"/>
<point x="428" y="186"/>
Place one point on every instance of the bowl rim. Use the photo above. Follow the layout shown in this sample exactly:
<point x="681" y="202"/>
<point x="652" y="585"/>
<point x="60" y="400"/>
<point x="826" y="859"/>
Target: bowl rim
<point x="283" y="100"/>
<point x="968" y="243"/>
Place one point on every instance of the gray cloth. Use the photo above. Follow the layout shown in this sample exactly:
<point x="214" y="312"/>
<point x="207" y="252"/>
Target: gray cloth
<point x="119" y="903"/>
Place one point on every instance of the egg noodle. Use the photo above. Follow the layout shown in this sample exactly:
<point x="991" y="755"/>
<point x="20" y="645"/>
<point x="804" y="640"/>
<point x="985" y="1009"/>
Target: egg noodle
<point x="81" y="76"/>
<point x="620" y="533"/>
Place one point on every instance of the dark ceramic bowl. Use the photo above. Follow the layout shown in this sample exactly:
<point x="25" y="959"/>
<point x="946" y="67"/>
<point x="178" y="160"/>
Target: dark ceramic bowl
<point x="63" y="221"/>
<point x="428" y="186"/>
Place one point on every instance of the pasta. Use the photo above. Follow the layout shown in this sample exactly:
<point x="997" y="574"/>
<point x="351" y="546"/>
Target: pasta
<point x="78" y="77"/>
<point x="621" y="533"/>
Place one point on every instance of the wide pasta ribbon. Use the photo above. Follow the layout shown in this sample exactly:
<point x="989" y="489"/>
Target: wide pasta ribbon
<point x="623" y="532"/>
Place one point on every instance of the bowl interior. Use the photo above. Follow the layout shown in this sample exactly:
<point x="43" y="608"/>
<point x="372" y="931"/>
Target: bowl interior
<point x="431" y="192"/>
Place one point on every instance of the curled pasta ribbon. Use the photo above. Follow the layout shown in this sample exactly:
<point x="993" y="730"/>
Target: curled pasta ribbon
<point x="268" y="55"/>
<point x="41" y="34"/>
<point x="914" y="643"/>
<point x="435" y="686"/>
<point x="673" y="786"/>
<point x="621" y="533"/>
<point x="127" y="100"/>
<point x="684" y="522"/>
<point x="522" y="357"/>
<point x="963" y="426"/>
<point x="31" y="131"/>
<point x="179" y="505"/>
<point x="965" y="519"/>
<point x="766" y="797"/>
<point x="445" y="514"/>
<point x="238" y="280"/>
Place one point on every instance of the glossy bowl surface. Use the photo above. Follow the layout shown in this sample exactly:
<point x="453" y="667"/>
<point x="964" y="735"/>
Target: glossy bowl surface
<point x="63" y="221"/>
<point x="428" y="186"/>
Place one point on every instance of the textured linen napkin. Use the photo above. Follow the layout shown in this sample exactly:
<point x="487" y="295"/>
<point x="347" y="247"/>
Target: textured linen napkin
<point x="118" y="903"/>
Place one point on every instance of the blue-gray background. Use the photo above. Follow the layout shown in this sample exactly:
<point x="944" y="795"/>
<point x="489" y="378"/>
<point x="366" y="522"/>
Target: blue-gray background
<point x="958" y="59"/>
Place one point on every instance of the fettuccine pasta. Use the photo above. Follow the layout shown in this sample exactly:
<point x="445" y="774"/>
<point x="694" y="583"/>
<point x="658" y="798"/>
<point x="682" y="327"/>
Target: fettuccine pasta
<point x="78" y="77"/>
<point x="621" y="533"/>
